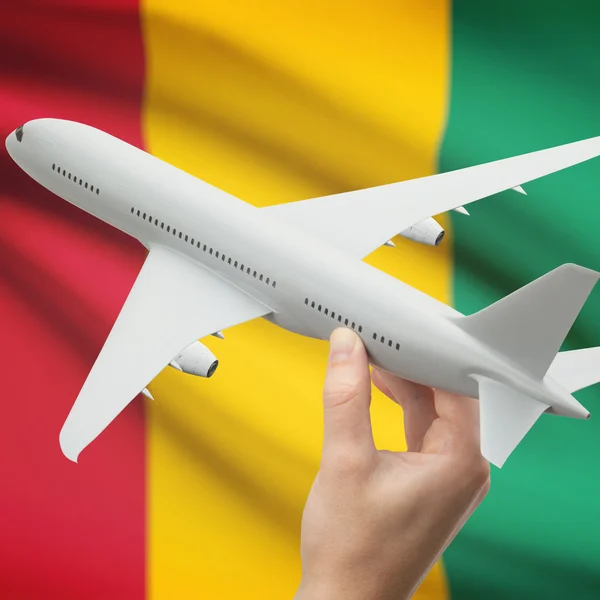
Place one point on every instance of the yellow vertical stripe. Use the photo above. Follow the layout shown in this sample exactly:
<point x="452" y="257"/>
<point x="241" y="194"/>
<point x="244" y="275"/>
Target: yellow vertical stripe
<point x="276" y="101"/>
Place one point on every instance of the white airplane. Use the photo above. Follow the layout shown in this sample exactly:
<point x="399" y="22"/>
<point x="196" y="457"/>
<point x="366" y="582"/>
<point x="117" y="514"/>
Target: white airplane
<point x="215" y="261"/>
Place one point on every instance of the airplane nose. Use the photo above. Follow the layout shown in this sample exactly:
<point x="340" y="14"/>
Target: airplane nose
<point x="13" y="141"/>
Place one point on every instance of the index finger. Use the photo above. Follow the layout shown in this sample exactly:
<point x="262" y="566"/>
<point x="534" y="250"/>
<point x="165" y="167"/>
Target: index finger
<point x="457" y="428"/>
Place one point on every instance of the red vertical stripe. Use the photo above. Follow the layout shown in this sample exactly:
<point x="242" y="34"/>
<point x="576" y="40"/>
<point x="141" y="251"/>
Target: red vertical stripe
<point x="66" y="530"/>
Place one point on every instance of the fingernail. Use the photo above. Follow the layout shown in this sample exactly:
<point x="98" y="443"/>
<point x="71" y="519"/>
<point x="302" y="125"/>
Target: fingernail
<point x="342" y="344"/>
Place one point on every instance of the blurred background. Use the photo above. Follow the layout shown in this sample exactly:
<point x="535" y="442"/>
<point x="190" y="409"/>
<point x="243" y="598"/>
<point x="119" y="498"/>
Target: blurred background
<point x="200" y="493"/>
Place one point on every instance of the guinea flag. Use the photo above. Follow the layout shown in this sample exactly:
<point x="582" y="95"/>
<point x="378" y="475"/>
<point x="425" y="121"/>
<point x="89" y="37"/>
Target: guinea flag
<point x="199" y="494"/>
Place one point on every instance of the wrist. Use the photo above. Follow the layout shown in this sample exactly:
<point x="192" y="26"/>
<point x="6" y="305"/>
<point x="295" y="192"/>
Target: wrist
<point x="346" y="588"/>
<point x="321" y="591"/>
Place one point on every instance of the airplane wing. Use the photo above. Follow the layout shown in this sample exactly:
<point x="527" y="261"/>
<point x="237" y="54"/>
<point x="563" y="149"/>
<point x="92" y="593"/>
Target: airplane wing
<point x="358" y="222"/>
<point x="173" y="302"/>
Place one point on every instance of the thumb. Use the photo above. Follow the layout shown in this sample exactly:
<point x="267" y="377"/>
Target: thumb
<point x="347" y="398"/>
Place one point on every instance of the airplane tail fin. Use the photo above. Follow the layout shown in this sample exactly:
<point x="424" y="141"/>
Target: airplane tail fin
<point x="576" y="369"/>
<point x="529" y="325"/>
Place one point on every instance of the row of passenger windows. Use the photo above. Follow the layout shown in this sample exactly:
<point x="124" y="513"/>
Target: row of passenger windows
<point x="341" y="319"/>
<point x="390" y="343"/>
<point x="74" y="179"/>
<point x="204" y="248"/>
<point x="332" y="314"/>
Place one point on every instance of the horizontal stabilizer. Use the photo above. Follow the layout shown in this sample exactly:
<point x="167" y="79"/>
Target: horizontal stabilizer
<point x="505" y="416"/>
<point x="576" y="369"/>
<point x="529" y="325"/>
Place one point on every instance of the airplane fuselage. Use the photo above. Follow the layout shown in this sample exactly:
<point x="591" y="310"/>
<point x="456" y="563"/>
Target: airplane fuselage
<point x="311" y="287"/>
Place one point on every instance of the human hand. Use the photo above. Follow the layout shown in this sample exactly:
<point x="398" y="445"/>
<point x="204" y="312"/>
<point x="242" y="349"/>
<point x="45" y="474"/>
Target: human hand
<point x="375" y="521"/>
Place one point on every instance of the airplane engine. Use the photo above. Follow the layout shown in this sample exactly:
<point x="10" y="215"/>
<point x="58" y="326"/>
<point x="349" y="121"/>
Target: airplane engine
<point x="428" y="232"/>
<point x="196" y="359"/>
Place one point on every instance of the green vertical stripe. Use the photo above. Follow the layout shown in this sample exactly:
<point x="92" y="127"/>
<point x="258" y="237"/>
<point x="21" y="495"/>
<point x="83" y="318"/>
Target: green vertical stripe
<point x="525" y="76"/>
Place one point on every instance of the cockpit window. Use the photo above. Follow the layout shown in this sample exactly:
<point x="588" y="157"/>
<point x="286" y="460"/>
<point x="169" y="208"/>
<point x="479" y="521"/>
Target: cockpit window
<point x="19" y="133"/>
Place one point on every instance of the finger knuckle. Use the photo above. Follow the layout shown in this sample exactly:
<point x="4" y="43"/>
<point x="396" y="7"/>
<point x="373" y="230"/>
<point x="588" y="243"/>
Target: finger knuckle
<point x="476" y="472"/>
<point x="481" y="473"/>
<point x="348" y="463"/>
<point x="485" y="488"/>
<point x="340" y="393"/>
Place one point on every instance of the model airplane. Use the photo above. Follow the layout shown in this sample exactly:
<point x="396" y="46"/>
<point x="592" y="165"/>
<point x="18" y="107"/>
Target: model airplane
<point x="215" y="261"/>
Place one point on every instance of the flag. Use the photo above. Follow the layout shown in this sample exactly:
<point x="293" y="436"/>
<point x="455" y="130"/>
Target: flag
<point x="200" y="493"/>
<point x="525" y="77"/>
